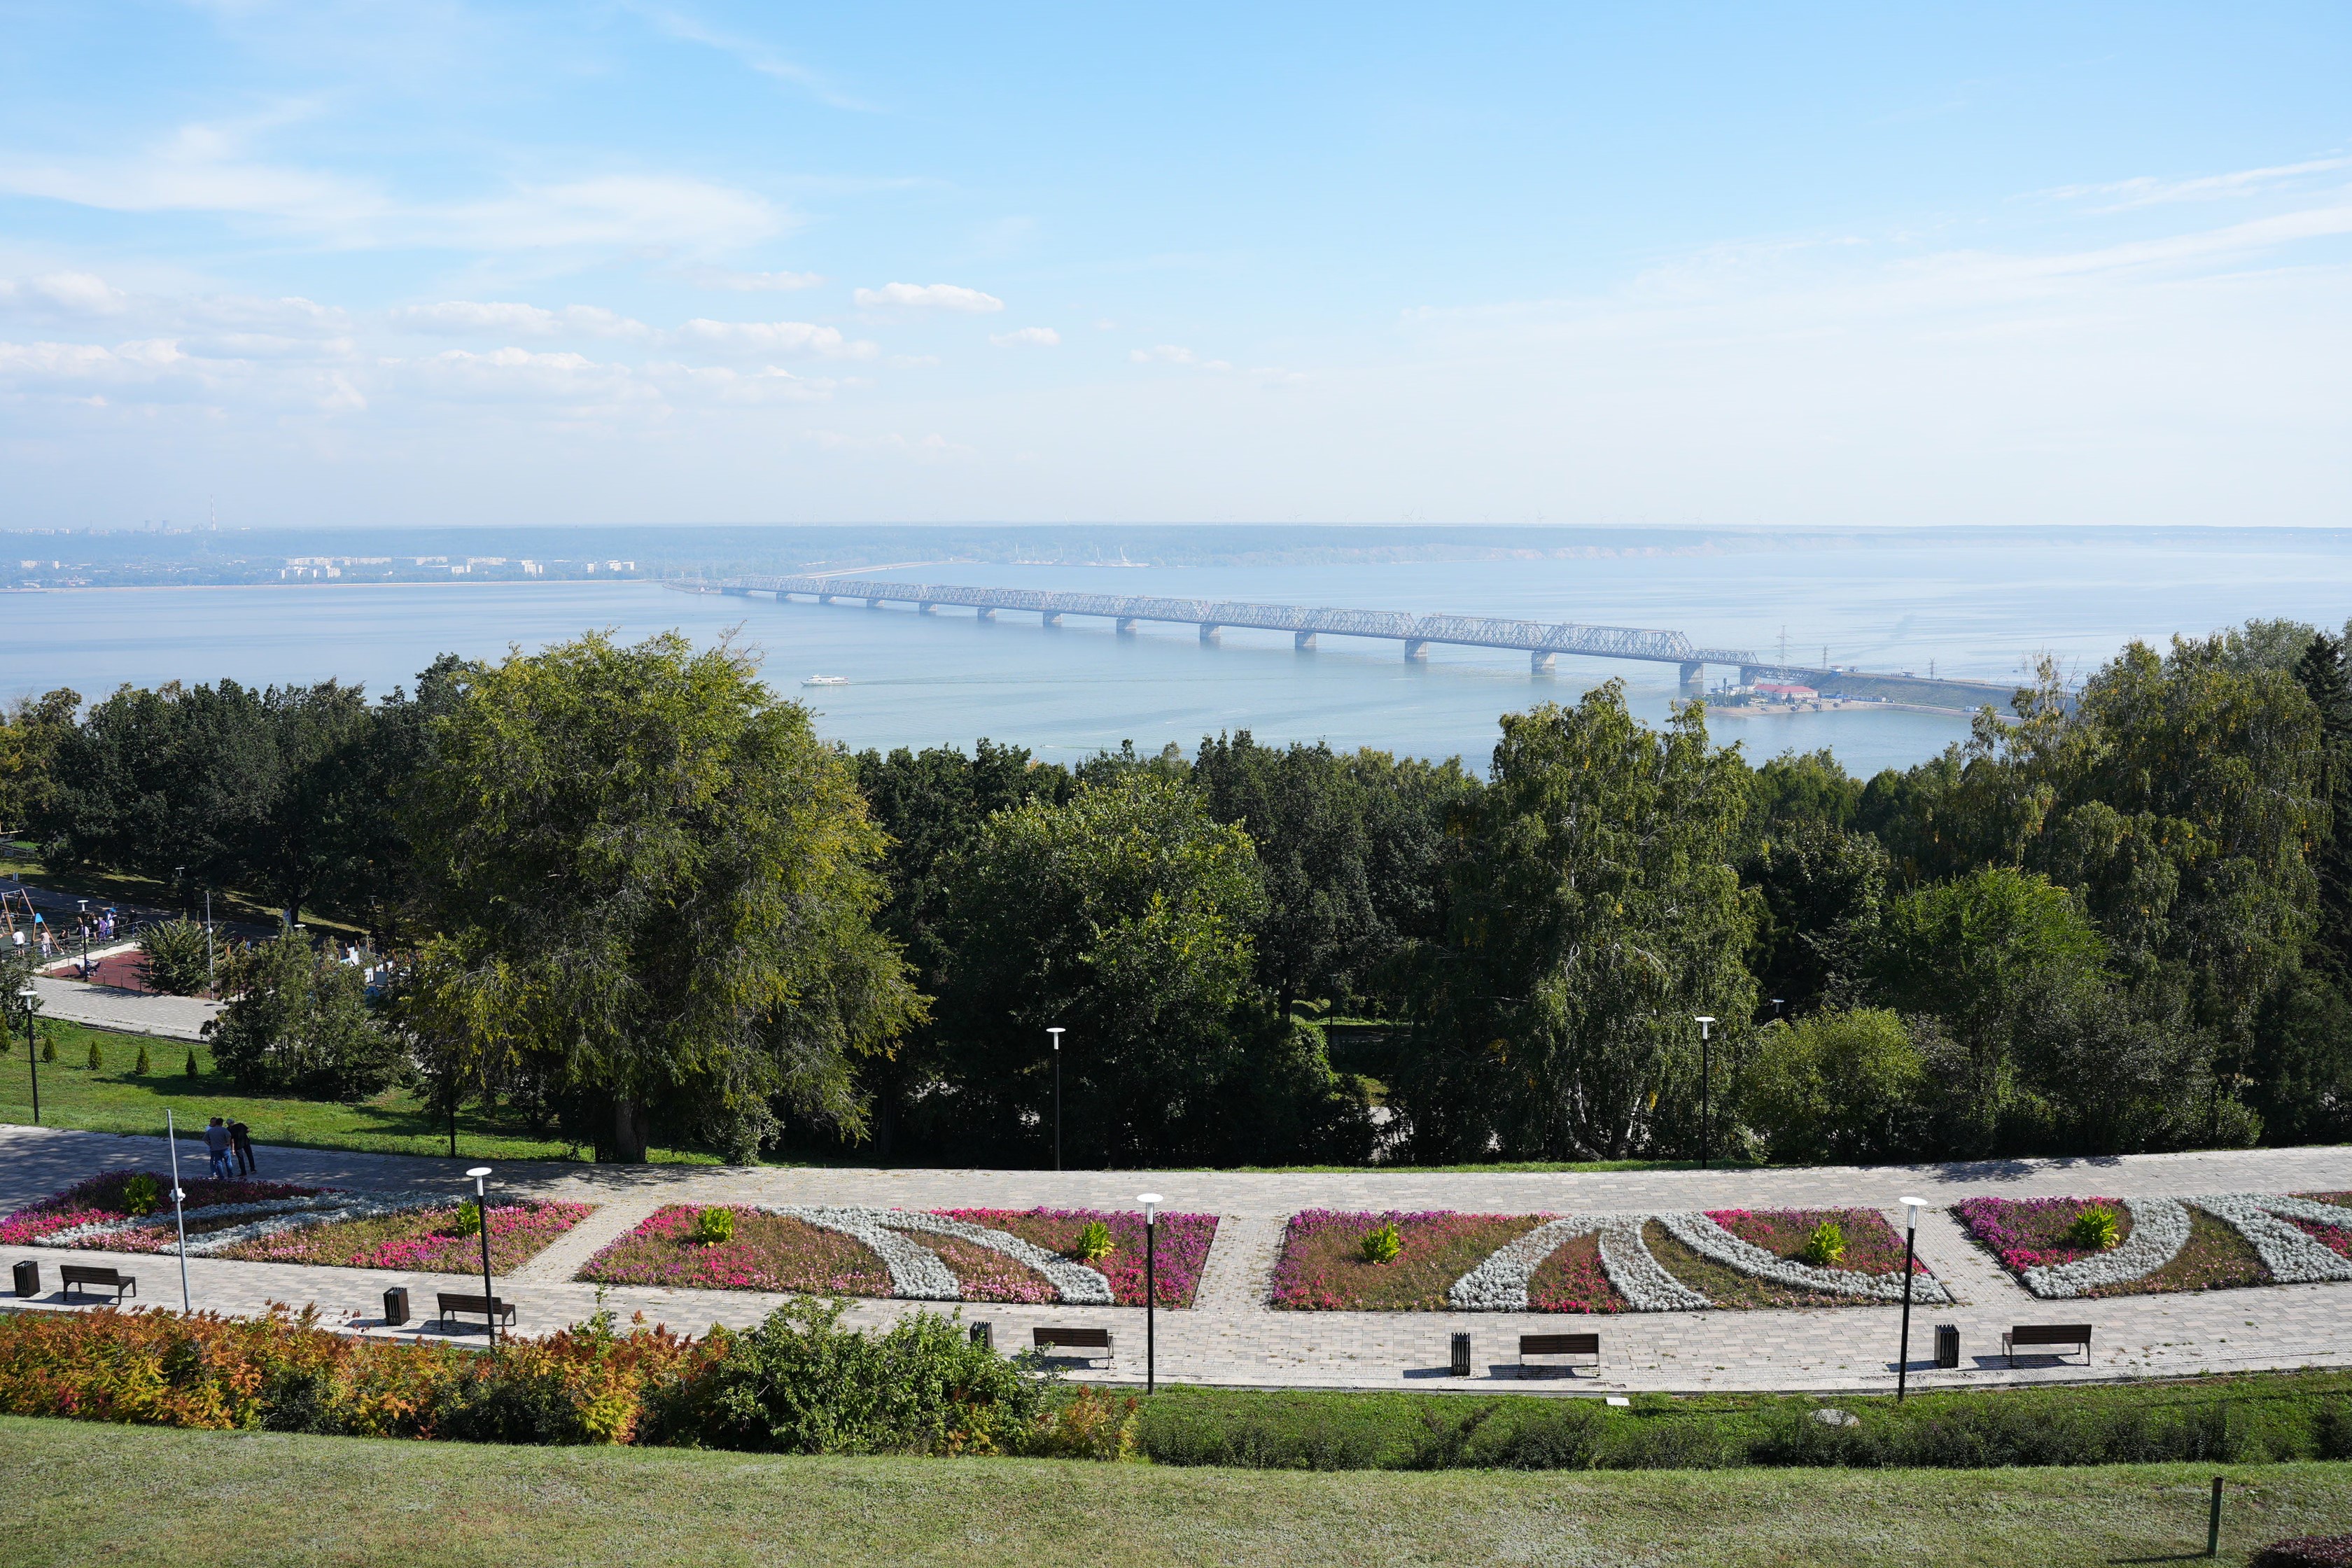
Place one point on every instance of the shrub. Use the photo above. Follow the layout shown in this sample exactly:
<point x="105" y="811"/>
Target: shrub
<point x="300" y="1022"/>
<point x="801" y="1384"/>
<point x="1381" y="1245"/>
<point x="192" y="1061"/>
<point x="1825" y="1249"/>
<point x="140" y="1195"/>
<point x="1090" y="1424"/>
<point x="174" y="957"/>
<point x="467" y="1220"/>
<point x="1093" y="1244"/>
<point x="97" y="1056"/>
<point x="48" y="1051"/>
<point x="715" y="1225"/>
<point x="2094" y="1230"/>
<point x="2305" y="1552"/>
<point x="144" y="1063"/>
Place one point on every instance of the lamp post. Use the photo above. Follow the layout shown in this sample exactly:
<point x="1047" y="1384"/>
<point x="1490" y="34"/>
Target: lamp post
<point x="1150" y="1202"/>
<point x="81" y="913"/>
<point x="1706" y="1105"/>
<point x="179" y="1214"/>
<point x="482" y="1212"/>
<point x="32" y="1001"/>
<point x="1057" y="1033"/>
<point x="210" y="982"/>
<point x="1910" y="1242"/>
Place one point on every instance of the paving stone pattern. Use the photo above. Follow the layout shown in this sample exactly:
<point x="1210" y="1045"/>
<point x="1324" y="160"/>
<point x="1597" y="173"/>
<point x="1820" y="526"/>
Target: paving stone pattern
<point x="1232" y="1337"/>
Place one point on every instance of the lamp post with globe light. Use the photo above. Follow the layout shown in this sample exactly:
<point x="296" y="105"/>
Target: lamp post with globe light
<point x="32" y="1001"/>
<point x="1056" y="1032"/>
<point x="482" y="1212"/>
<point x="1150" y="1202"/>
<point x="1910" y="1242"/>
<point x="1706" y="1105"/>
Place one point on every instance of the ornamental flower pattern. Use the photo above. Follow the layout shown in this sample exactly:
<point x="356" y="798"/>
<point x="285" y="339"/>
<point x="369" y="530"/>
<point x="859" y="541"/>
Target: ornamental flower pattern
<point x="1702" y="1235"/>
<point x="2280" y="1230"/>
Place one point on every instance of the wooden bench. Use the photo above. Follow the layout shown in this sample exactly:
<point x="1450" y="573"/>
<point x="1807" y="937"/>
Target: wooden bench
<point x="2047" y="1335"/>
<point x="79" y="1277"/>
<point x="1074" y="1339"/>
<point x="1559" y="1345"/>
<point x="491" y="1308"/>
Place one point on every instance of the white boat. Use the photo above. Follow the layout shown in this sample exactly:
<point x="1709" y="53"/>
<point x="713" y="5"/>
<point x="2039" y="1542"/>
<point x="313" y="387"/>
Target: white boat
<point x="826" y="680"/>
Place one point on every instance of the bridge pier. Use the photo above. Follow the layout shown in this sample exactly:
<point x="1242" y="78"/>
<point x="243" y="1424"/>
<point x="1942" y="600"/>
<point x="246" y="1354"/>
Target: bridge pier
<point x="925" y="608"/>
<point x="985" y="613"/>
<point x="1303" y="641"/>
<point x="1208" y="631"/>
<point x="821" y="598"/>
<point x="1695" y="680"/>
<point x="1539" y="663"/>
<point x="873" y="603"/>
<point x="1416" y="651"/>
<point x="1127" y="625"/>
<point x="1049" y="618"/>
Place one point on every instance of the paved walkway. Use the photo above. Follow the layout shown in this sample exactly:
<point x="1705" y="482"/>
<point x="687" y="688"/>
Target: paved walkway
<point x="130" y="1012"/>
<point x="1232" y="1337"/>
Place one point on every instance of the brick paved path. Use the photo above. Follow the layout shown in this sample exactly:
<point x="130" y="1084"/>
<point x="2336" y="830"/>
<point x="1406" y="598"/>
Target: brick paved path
<point x="1230" y="1336"/>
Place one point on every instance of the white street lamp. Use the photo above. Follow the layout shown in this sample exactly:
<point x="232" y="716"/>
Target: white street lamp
<point x="1911" y="1208"/>
<point x="1056" y="1032"/>
<point x="482" y="1212"/>
<point x="1706" y="1105"/>
<point x="1150" y="1202"/>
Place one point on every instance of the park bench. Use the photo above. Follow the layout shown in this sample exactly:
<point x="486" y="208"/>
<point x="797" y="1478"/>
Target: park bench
<point x="79" y="1277"/>
<point x="1075" y="1339"/>
<point x="2047" y="1335"/>
<point x="491" y="1308"/>
<point x="1559" y="1345"/>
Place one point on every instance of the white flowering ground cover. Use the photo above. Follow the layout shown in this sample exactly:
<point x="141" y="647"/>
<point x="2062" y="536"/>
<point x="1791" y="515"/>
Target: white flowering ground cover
<point x="2215" y="1241"/>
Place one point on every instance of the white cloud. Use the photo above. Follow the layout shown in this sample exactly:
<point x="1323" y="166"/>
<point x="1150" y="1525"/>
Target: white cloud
<point x="1174" y="353"/>
<point x="754" y="55"/>
<point x="931" y="297"/>
<point x="718" y="384"/>
<point x="931" y="448"/>
<point x="459" y="317"/>
<point x="2148" y="191"/>
<point x="518" y="376"/>
<point x="758" y="338"/>
<point x="751" y="282"/>
<point x="1040" y="337"/>
<point x="67" y="294"/>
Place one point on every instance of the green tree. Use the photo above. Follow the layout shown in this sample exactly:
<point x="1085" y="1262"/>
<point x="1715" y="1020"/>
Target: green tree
<point x="299" y="1023"/>
<point x="1596" y="912"/>
<point x="1125" y="916"/>
<point x="646" y="881"/>
<point x="1822" y="891"/>
<point x="1836" y="1087"/>
<point x="30" y="731"/>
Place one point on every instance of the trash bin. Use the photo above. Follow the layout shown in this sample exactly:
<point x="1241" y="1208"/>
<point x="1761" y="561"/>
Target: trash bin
<point x="1947" y="1345"/>
<point x="396" y="1306"/>
<point x="983" y="1334"/>
<point x="1461" y="1355"/>
<point x="28" y="1278"/>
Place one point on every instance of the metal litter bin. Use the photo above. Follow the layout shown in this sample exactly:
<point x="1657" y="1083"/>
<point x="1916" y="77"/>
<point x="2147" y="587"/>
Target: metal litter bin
<point x="1461" y="1355"/>
<point x="28" y="1278"/>
<point x="983" y="1334"/>
<point x="396" y="1306"/>
<point x="1947" y="1346"/>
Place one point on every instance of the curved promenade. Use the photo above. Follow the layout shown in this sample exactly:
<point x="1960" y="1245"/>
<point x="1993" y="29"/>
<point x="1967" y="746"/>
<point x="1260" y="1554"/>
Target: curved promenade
<point x="1231" y="1337"/>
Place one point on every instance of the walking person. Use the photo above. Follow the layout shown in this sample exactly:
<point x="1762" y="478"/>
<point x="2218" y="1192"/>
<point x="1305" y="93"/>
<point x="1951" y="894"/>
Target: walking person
<point x="240" y="1138"/>
<point x="216" y="1144"/>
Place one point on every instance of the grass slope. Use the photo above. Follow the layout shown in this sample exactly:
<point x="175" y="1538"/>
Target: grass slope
<point x="114" y="1098"/>
<point x="134" y="1496"/>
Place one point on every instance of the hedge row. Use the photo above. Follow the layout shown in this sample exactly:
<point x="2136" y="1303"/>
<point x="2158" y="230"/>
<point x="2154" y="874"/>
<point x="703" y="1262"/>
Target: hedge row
<point x="798" y="1382"/>
<point x="2242" y="1420"/>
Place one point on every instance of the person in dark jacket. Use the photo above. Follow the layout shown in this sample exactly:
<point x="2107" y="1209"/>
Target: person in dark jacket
<point x="216" y="1144"/>
<point x="240" y="1138"/>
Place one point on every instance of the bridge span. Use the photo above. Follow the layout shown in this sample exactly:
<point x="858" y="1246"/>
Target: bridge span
<point x="1542" y="641"/>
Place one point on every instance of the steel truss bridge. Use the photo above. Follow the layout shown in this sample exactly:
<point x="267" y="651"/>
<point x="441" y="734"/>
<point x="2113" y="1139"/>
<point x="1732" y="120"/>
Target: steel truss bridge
<point x="1541" y="641"/>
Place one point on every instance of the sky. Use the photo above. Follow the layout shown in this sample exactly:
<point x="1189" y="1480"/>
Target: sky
<point x="1664" y="265"/>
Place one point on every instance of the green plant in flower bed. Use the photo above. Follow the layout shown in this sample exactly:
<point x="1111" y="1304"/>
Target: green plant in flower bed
<point x="2094" y="1230"/>
<point x="715" y="1225"/>
<point x="769" y="1252"/>
<point x="1825" y="1249"/>
<point x="1572" y="1280"/>
<point x="1093" y="1244"/>
<point x="467" y="1220"/>
<point x="433" y="1240"/>
<point x="1380" y="1245"/>
<point x="1323" y="1269"/>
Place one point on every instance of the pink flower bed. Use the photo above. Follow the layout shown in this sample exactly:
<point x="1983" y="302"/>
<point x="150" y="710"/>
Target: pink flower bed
<point x="769" y="1252"/>
<point x="2030" y="1233"/>
<point x="1572" y="1280"/>
<point x="2336" y="1238"/>
<point x="101" y="1197"/>
<point x="1179" y="1249"/>
<point x="429" y="1241"/>
<point x="1322" y="1268"/>
<point x="1871" y="1246"/>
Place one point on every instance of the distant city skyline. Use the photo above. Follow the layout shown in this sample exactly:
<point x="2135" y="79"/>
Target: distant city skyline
<point x="641" y="263"/>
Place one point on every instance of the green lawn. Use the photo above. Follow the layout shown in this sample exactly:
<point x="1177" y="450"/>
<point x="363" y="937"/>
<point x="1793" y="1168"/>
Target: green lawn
<point x="114" y="1099"/>
<point x="82" y="1493"/>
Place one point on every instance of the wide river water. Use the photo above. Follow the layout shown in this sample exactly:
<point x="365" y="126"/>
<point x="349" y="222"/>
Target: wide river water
<point x="1980" y="612"/>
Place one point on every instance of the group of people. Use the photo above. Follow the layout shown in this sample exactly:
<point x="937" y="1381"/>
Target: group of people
<point x="225" y="1139"/>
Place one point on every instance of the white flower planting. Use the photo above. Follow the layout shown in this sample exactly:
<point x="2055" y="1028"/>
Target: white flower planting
<point x="1641" y="1278"/>
<point x="275" y="1216"/>
<point x="2291" y="1256"/>
<point x="2159" y="1229"/>
<point x="916" y="1271"/>
<point x="80" y="1235"/>
<point x="1711" y="1240"/>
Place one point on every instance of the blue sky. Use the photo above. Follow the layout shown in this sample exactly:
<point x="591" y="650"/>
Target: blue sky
<point x="1725" y="266"/>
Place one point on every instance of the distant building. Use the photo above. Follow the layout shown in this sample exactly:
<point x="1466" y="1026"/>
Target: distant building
<point x="1785" y="692"/>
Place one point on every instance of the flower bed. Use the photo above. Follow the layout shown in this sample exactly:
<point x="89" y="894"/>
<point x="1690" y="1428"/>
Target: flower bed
<point x="1322" y="1266"/>
<point x="1573" y="1280"/>
<point x="970" y="1255"/>
<point x="2218" y="1241"/>
<point x="1870" y="1273"/>
<point x="102" y="1199"/>
<point x="428" y="1239"/>
<point x="1180" y="1251"/>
